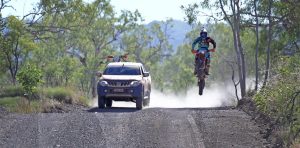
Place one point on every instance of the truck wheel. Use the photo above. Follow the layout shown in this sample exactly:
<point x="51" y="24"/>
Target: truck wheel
<point x="108" y="102"/>
<point x="101" y="102"/>
<point x="147" y="101"/>
<point x="139" y="102"/>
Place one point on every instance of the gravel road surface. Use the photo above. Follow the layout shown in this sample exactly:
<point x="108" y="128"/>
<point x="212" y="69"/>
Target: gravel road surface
<point x="128" y="127"/>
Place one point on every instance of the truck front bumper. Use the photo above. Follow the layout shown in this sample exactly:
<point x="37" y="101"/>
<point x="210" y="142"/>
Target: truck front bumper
<point x="120" y="93"/>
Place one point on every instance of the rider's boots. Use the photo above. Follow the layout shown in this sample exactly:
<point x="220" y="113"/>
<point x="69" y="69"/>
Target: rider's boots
<point x="207" y="67"/>
<point x="195" y="71"/>
<point x="207" y="70"/>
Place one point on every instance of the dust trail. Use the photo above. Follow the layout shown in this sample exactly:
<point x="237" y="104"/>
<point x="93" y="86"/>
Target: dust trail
<point x="215" y="96"/>
<point x="212" y="97"/>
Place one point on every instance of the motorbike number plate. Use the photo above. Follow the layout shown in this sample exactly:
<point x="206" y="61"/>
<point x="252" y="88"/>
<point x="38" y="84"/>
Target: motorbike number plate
<point x="119" y="90"/>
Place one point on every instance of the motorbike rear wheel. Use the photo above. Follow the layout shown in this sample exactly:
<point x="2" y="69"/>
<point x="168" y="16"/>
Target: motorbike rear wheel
<point x="201" y="85"/>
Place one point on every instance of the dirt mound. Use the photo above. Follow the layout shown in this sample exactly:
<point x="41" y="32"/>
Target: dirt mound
<point x="66" y="108"/>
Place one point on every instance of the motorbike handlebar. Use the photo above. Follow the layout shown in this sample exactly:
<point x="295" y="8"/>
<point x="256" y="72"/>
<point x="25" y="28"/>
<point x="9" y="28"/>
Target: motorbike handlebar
<point x="196" y="51"/>
<point x="212" y="50"/>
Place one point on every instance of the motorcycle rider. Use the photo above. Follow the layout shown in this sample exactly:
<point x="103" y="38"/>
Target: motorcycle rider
<point x="203" y="43"/>
<point x="120" y="58"/>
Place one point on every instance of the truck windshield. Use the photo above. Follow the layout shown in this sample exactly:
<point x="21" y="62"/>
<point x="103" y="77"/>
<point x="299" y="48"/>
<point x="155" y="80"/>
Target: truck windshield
<point x="122" y="70"/>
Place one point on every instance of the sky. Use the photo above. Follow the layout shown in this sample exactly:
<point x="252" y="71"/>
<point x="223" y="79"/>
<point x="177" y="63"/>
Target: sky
<point x="154" y="9"/>
<point x="150" y="9"/>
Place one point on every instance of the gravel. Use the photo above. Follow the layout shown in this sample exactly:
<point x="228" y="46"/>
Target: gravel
<point x="128" y="127"/>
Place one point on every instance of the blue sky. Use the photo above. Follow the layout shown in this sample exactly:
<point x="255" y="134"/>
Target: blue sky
<point x="150" y="9"/>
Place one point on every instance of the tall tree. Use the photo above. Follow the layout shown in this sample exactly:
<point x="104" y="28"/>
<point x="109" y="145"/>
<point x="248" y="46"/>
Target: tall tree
<point x="231" y="12"/>
<point x="16" y="44"/>
<point x="267" y="70"/>
<point x="86" y="30"/>
<point x="257" y="44"/>
<point x="149" y="45"/>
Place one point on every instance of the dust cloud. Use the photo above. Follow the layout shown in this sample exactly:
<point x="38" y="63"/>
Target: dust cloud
<point x="217" y="95"/>
<point x="212" y="97"/>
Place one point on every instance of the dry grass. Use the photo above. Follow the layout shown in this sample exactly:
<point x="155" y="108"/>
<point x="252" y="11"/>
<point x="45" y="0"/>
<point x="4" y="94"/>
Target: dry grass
<point x="66" y="95"/>
<point x="48" y="105"/>
<point x="11" y="91"/>
<point x="49" y="99"/>
<point x="20" y="105"/>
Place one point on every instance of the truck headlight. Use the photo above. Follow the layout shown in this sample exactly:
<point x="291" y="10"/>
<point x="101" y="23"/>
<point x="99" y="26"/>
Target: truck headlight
<point x="103" y="83"/>
<point x="135" y="83"/>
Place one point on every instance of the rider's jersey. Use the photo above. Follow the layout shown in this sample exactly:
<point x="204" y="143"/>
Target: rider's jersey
<point x="203" y="43"/>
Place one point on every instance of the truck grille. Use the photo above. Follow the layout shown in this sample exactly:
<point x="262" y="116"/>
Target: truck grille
<point x="119" y="83"/>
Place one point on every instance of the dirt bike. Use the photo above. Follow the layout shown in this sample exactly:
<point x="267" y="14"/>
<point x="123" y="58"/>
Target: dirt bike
<point x="200" y="68"/>
<point x="120" y="58"/>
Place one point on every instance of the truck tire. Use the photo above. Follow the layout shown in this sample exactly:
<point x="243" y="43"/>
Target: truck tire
<point x="147" y="101"/>
<point x="108" y="103"/>
<point x="101" y="102"/>
<point x="139" y="102"/>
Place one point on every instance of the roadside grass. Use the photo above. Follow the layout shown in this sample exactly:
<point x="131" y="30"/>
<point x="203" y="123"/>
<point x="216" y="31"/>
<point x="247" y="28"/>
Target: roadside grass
<point x="47" y="105"/>
<point x="9" y="102"/>
<point x="12" y="98"/>
<point x="25" y="106"/>
<point x="83" y="100"/>
<point x="66" y="95"/>
<point x="11" y="91"/>
<point x="60" y="94"/>
<point x="20" y="105"/>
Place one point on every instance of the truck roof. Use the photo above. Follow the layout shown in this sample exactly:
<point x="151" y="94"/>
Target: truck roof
<point x="125" y="63"/>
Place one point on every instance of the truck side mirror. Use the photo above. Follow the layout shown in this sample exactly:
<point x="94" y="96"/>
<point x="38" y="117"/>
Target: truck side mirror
<point x="98" y="74"/>
<point x="146" y="74"/>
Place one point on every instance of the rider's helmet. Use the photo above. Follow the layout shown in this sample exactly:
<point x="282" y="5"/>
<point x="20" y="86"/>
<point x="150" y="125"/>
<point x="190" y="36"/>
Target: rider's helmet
<point x="203" y="33"/>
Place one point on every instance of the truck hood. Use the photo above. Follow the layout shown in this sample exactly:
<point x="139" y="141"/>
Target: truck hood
<point x="121" y="77"/>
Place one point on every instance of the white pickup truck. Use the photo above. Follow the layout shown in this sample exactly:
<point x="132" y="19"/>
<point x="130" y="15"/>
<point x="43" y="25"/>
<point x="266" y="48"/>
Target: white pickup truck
<point x="124" y="81"/>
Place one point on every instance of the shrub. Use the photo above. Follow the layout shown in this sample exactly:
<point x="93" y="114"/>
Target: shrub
<point x="9" y="102"/>
<point x="83" y="100"/>
<point x="49" y="105"/>
<point x="60" y="94"/>
<point x="52" y="99"/>
<point x="20" y="105"/>
<point x="11" y="91"/>
<point x="29" y="77"/>
<point x="26" y="106"/>
<point x="65" y="95"/>
<point x="280" y="99"/>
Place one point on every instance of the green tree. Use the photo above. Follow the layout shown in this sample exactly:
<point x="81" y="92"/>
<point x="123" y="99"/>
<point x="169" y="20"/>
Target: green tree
<point x="151" y="47"/>
<point x="15" y="47"/>
<point x="30" y="77"/>
<point x="148" y="45"/>
<point x="231" y="13"/>
<point x="86" y="31"/>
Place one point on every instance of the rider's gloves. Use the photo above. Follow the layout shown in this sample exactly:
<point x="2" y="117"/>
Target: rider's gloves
<point x="212" y="50"/>
<point x="194" y="51"/>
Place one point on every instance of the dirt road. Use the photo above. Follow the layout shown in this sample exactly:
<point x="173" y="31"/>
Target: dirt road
<point x="128" y="127"/>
